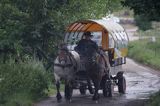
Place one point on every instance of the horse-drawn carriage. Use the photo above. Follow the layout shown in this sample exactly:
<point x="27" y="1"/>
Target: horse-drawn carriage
<point x="112" y="41"/>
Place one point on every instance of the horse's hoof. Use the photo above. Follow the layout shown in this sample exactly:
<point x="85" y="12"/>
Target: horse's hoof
<point x="96" y="101"/>
<point x="95" y="98"/>
<point x="59" y="97"/>
<point x="91" y="91"/>
<point x="59" y="101"/>
<point x="68" y="100"/>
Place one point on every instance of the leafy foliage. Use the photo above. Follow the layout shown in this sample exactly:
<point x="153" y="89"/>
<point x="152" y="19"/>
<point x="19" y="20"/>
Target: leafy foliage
<point x="37" y="26"/>
<point x="27" y="77"/>
<point x="20" y="99"/>
<point x="145" y="11"/>
<point x="148" y="8"/>
<point x="143" y="23"/>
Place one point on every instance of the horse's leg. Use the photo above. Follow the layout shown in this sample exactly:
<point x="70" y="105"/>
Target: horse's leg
<point x="68" y="90"/>
<point x="57" y="78"/>
<point x="96" y="81"/>
<point x="59" y="97"/>
<point x="91" y="90"/>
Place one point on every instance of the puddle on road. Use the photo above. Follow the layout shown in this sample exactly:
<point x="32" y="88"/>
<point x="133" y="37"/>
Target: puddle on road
<point x="141" y="84"/>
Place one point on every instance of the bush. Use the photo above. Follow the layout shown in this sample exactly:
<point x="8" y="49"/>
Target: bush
<point x="143" y="22"/>
<point x="23" y="78"/>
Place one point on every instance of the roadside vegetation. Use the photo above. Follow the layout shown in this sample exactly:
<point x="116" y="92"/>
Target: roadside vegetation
<point x="154" y="101"/>
<point x="22" y="83"/>
<point x="145" y="50"/>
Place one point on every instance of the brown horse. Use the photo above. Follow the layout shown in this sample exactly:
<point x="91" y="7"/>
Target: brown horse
<point x="97" y="68"/>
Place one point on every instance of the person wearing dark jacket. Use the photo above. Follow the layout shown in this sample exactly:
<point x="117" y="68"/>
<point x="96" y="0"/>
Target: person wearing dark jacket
<point x="88" y="49"/>
<point x="86" y="46"/>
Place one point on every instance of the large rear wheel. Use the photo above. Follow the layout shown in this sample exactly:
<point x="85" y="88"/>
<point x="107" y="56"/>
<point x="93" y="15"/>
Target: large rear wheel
<point x="122" y="85"/>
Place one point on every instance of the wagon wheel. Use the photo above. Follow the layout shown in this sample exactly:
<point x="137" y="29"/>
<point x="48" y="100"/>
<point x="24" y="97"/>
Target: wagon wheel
<point x="108" y="89"/>
<point x="68" y="92"/>
<point x="122" y="85"/>
<point x="82" y="90"/>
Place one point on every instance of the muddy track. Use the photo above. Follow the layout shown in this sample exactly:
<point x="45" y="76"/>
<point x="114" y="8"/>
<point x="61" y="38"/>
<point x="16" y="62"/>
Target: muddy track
<point x="142" y="81"/>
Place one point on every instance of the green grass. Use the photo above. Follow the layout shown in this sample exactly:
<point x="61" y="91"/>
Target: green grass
<point x="155" y="100"/>
<point x="19" y="99"/>
<point x="146" y="52"/>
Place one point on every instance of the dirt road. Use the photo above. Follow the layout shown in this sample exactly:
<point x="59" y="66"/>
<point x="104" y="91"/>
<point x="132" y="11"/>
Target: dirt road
<point x="142" y="81"/>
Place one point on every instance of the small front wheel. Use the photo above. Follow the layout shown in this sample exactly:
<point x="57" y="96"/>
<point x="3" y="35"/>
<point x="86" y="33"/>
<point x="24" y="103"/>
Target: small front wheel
<point x="108" y="89"/>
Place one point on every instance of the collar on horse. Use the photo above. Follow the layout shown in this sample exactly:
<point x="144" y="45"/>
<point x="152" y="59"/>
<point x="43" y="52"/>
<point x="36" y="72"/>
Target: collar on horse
<point x="66" y="65"/>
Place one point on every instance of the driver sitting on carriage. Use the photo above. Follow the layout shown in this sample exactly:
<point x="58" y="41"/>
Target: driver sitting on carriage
<point x="88" y="48"/>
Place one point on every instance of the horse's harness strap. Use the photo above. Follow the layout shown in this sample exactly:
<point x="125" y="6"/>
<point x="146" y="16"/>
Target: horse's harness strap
<point x="72" y="59"/>
<point x="103" y="57"/>
<point x="63" y="66"/>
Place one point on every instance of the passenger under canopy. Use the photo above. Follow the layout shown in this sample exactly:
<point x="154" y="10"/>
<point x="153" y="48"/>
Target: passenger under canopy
<point x="109" y="36"/>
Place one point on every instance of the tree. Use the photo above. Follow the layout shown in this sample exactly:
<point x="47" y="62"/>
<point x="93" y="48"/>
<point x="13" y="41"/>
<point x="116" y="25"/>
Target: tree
<point x="145" y="11"/>
<point x="37" y="25"/>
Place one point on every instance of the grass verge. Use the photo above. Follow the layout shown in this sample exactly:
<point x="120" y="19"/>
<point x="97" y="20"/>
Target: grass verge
<point x="146" y="52"/>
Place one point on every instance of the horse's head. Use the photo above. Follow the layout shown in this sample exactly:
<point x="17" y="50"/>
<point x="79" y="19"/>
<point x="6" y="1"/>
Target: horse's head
<point x="63" y="54"/>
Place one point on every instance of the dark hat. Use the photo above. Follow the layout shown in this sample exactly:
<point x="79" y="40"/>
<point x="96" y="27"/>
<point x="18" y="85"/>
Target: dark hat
<point x="87" y="33"/>
<point x="63" y="47"/>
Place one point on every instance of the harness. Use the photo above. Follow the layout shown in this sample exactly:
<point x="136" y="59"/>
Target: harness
<point x="65" y="65"/>
<point x="101" y="57"/>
